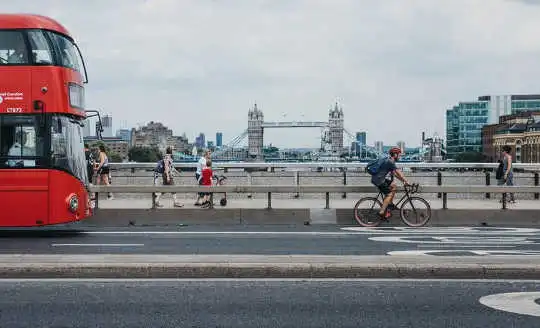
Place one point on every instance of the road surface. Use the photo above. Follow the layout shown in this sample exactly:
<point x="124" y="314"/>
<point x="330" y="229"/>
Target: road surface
<point x="276" y="240"/>
<point x="264" y="303"/>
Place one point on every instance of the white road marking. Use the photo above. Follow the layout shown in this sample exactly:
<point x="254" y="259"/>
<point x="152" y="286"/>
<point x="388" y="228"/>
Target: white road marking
<point x="462" y="246"/>
<point x="520" y="303"/>
<point x="456" y="240"/>
<point x="487" y="252"/>
<point x="444" y="230"/>
<point x="99" y="245"/>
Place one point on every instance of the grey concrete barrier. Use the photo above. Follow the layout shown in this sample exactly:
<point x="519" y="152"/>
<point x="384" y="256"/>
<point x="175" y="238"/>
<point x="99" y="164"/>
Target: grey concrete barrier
<point x="303" y="215"/>
<point x="300" y="216"/>
<point x="317" y="189"/>
<point x="192" y="216"/>
<point x="22" y="266"/>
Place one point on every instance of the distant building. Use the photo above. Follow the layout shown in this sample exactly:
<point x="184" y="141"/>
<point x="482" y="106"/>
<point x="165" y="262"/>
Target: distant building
<point x="361" y="138"/>
<point x="200" y="141"/>
<point x="106" y="122"/>
<point x="335" y="126"/>
<point x="157" y="135"/>
<point x="379" y="146"/>
<point x="401" y="144"/>
<point x="219" y="139"/>
<point x="520" y="131"/>
<point x="432" y="149"/>
<point x="115" y="145"/>
<point x="124" y="134"/>
<point x="464" y="121"/>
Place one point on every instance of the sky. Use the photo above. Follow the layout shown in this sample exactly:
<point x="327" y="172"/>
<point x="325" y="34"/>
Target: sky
<point x="394" y="66"/>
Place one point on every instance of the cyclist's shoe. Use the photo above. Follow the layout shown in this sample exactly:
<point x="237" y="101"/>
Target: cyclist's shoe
<point x="385" y="215"/>
<point x="391" y="207"/>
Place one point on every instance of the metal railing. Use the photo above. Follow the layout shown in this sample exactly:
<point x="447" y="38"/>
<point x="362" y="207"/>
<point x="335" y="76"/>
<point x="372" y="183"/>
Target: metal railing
<point x="313" y="189"/>
<point x="325" y="165"/>
<point x="296" y="170"/>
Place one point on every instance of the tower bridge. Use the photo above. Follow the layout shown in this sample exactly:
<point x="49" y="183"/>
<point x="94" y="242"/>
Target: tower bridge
<point x="256" y="126"/>
<point x="332" y="136"/>
<point x="294" y="124"/>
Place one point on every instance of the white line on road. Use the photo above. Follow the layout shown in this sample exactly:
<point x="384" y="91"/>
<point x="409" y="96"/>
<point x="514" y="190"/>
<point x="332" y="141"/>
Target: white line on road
<point x="448" y="240"/>
<point x="478" y="252"/>
<point x="99" y="245"/>
<point x="463" y="246"/>
<point x="445" y="230"/>
<point x="520" y="303"/>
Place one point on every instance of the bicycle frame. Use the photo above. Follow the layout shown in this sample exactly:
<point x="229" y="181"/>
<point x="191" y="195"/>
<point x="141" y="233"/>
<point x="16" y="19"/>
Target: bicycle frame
<point x="406" y="196"/>
<point x="400" y="206"/>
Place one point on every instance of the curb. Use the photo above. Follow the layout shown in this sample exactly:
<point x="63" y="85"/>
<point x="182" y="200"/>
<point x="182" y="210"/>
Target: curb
<point x="20" y="266"/>
<point x="269" y="271"/>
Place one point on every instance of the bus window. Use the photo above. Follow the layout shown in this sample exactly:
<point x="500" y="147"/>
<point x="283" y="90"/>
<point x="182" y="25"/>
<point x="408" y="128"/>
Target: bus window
<point x="40" y="48"/>
<point x="67" y="146"/>
<point x="12" y="48"/>
<point x="68" y="53"/>
<point x="20" y="143"/>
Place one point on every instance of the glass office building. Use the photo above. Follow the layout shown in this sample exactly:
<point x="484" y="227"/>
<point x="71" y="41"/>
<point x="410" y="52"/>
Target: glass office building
<point x="464" y="121"/>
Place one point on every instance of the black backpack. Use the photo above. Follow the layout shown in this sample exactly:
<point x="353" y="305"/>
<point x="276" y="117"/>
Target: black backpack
<point x="500" y="171"/>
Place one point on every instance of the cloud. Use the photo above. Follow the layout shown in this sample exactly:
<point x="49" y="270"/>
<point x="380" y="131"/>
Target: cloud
<point x="395" y="66"/>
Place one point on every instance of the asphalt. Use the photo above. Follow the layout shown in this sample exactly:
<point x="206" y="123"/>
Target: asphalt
<point x="261" y="303"/>
<point x="275" y="240"/>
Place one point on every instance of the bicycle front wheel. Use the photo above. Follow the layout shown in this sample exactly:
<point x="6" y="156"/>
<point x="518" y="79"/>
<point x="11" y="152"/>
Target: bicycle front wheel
<point x="415" y="212"/>
<point x="366" y="212"/>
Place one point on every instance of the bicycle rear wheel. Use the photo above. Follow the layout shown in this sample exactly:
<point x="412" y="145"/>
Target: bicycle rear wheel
<point x="366" y="212"/>
<point x="415" y="212"/>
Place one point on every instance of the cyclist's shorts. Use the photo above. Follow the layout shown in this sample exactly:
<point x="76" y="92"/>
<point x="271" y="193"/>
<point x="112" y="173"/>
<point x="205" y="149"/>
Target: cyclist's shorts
<point x="385" y="187"/>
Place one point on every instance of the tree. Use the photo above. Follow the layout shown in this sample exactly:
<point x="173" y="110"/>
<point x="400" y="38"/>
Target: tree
<point x="470" y="157"/>
<point x="97" y="144"/>
<point x="115" y="158"/>
<point x="144" y="154"/>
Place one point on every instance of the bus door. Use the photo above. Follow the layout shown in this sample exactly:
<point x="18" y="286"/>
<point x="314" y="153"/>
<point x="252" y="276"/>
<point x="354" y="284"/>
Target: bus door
<point x="23" y="182"/>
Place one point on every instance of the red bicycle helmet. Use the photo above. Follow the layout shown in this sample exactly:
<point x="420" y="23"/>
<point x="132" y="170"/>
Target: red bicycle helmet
<point x="394" y="150"/>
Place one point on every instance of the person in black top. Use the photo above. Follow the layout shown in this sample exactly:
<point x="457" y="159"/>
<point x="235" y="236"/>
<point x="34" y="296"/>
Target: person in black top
<point x="89" y="162"/>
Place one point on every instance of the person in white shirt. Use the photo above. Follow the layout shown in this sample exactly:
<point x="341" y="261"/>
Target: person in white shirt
<point x="20" y="148"/>
<point x="201" y="164"/>
<point x="19" y="56"/>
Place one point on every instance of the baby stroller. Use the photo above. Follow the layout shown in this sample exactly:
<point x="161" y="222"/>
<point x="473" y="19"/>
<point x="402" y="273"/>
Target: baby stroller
<point x="220" y="181"/>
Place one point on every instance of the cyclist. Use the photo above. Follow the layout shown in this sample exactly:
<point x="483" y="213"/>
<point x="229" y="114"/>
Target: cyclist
<point x="384" y="179"/>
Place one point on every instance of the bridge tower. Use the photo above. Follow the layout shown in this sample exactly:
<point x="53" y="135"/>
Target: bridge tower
<point x="255" y="133"/>
<point x="336" y="127"/>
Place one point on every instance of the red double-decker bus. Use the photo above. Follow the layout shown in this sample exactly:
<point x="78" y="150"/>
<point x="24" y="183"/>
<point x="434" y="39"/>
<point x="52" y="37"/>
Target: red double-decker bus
<point x="43" y="171"/>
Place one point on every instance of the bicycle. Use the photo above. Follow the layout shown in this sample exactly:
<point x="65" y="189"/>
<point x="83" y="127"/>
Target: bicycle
<point x="371" y="218"/>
